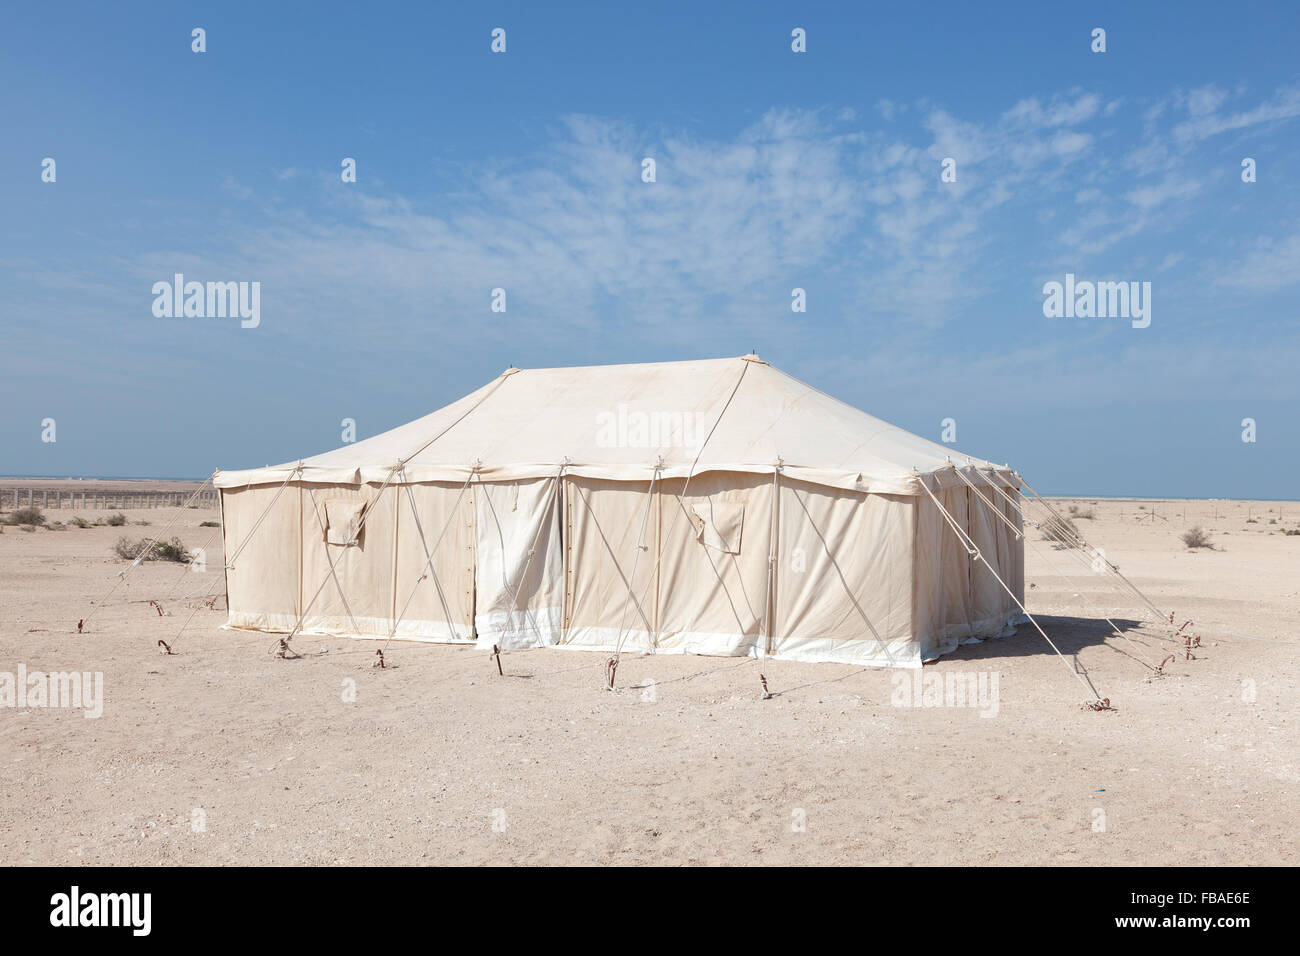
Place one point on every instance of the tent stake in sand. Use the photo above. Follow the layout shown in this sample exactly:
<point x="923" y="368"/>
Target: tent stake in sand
<point x="496" y="652"/>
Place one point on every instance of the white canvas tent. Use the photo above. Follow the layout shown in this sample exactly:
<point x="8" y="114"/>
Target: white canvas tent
<point x="708" y="507"/>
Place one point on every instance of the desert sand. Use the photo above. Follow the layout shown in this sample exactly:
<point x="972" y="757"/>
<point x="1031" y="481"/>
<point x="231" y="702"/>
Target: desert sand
<point x="224" y="754"/>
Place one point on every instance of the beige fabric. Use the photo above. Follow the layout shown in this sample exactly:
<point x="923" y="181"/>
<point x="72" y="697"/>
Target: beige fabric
<point x="356" y="582"/>
<point x="711" y="599"/>
<point x="438" y="596"/>
<point x="619" y="421"/>
<point x="519" y="566"/>
<point x="718" y="524"/>
<point x="553" y="507"/>
<point x="612" y="529"/>
<point x="844" y="578"/>
<point x="343" y="521"/>
<point x="263" y="586"/>
<point x="958" y="599"/>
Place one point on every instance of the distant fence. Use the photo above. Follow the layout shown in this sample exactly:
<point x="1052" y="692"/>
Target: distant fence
<point x="17" y="498"/>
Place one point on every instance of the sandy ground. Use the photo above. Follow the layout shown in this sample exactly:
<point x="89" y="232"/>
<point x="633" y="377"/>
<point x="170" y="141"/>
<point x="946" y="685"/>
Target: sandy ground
<point x="224" y="754"/>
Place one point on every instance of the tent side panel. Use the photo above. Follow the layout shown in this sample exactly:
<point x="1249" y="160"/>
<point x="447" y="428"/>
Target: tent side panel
<point x="263" y="586"/>
<point x="989" y="600"/>
<point x="1016" y="568"/>
<point x="958" y="599"/>
<point x="519" y="567"/>
<point x="611" y="576"/>
<point x="714" y="566"/>
<point x="435" y="599"/>
<point x="355" y="581"/>
<point x="844" y="577"/>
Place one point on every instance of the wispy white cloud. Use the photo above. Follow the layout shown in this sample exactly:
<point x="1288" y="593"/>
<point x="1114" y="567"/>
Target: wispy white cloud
<point x="1269" y="264"/>
<point x="731" y="224"/>
<point x="1208" y="121"/>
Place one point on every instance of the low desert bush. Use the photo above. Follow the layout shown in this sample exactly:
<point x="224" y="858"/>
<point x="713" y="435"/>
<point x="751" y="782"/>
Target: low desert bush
<point x="115" y="520"/>
<point x="31" y="516"/>
<point x="209" y="524"/>
<point x="79" y="522"/>
<point x="171" y="550"/>
<point x="1052" y="531"/>
<point x="1196" y="537"/>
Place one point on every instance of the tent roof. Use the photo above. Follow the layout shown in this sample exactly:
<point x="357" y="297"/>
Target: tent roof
<point x="621" y="421"/>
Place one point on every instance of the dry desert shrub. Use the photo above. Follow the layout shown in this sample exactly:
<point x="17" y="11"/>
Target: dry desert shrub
<point x="1196" y="537"/>
<point x="171" y="550"/>
<point x="30" y="516"/>
<point x="1061" y="535"/>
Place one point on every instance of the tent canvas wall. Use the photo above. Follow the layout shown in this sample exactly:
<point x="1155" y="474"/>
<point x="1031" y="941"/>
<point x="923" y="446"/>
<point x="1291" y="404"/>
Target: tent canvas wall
<point x="709" y="507"/>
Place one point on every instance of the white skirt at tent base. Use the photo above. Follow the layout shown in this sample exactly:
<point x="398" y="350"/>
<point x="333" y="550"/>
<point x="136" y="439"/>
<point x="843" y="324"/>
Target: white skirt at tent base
<point x="712" y="507"/>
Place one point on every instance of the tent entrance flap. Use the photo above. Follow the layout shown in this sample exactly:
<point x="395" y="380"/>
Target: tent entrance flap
<point x="519" y="572"/>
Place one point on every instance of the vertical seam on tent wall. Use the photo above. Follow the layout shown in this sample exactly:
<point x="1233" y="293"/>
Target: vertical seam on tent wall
<point x="971" y="604"/>
<point x="915" y="518"/>
<point x="970" y="581"/>
<point x="392" y="577"/>
<point x="776" y="577"/>
<point x="302" y="546"/>
<point x="1004" y="559"/>
<point x="773" y="561"/>
<point x="473" y="556"/>
<point x="968" y="593"/>
<point x="657" y="617"/>
<point x="225" y="571"/>
<point x="566" y="544"/>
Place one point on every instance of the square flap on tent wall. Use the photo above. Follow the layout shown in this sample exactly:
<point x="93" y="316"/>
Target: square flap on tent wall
<point x="718" y="524"/>
<point x="343" y="521"/>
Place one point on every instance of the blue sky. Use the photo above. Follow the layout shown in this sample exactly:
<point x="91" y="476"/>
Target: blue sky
<point x="775" y="170"/>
